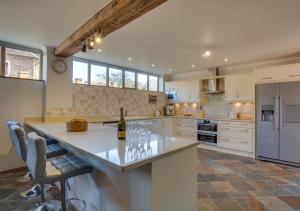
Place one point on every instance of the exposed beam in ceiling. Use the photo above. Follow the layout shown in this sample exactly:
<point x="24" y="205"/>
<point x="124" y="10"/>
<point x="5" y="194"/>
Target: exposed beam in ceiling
<point x="112" y="17"/>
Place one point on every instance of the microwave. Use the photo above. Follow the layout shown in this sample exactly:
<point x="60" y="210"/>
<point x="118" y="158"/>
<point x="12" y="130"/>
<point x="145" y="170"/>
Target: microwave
<point x="172" y="96"/>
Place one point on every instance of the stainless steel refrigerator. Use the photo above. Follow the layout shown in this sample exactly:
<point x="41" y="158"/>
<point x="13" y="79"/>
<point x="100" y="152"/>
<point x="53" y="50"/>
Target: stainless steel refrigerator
<point x="278" y="122"/>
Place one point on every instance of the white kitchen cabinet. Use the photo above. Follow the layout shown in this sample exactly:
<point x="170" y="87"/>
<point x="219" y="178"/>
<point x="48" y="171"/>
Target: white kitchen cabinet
<point x="239" y="88"/>
<point x="189" y="91"/>
<point x="281" y="73"/>
<point x="236" y="136"/>
<point x="171" y="86"/>
<point x="185" y="128"/>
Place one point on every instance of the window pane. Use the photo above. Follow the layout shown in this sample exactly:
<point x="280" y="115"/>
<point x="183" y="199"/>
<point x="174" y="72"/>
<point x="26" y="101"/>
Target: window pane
<point x="115" y="77"/>
<point x="153" y="83"/>
<point x="80" y="72"/>
<point x="22" y="64"/>
<point x="129" y="79"/>
<point x="142" y="81"/>
<point x="98" y="75"/>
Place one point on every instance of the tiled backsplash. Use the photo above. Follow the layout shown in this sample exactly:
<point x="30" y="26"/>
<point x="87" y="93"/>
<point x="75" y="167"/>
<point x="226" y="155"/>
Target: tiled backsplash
<point x="95" y="100"/>
<point x="217" y="107"/>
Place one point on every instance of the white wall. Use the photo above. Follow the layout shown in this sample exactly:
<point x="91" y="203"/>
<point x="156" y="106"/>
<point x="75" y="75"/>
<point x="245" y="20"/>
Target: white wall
<point x="19" y="99"/>
<point x="59" y="87"/>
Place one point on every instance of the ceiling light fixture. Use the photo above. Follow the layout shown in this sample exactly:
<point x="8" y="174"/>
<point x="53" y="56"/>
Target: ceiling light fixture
<point x="170" y="70"/>
<point x="226" y="60"/>
<point x="92" y="41"/>
<point x="206" y="53"/>
<point x="99" y="50"/>
<point x="193" y="65"/>
<point x="129" y="59"/>
<point x="153" y="65"/>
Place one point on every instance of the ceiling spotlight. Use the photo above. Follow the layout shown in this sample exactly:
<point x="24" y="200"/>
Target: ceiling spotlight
<point x="91" y="44"/>
<point x="97" y="37"/>
<point x="170" y="70"/>
<point x="129" y="59"/>
<point x="153" y="65"/>
<point x="207" y="53"/>
<point x="84" y="47"/>
<point x="193" y="66"/>
<point x="99" y="50"/>
<point x="226" y="60"/>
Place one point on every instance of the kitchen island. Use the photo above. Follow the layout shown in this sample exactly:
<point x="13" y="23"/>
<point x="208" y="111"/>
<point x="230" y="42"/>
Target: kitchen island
<point x="153" y="173"/>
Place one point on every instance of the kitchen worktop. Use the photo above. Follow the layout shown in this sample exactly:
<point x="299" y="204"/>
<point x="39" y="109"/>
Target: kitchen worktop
<point x="218" y="118"/>
<point x="101" y="143"/>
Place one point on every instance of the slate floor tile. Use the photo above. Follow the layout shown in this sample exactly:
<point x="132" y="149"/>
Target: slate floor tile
<point x="227" y="204"/>
<point x="292" y="201"/>
<point x="223" y="187"/>
<point x="206" y="205"/>
<point x="241" y="186"/>
<point x="274" y="203"/>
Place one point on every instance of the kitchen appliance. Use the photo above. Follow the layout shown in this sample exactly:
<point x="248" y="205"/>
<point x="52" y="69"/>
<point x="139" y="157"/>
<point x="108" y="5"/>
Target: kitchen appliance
<point x="172" y="96"/>
<point x="278" y="122"/>
<point x="213" y="84"/>
<point x="207" y="131"/>
<point x="170" y="110"/>
<point x="233" y="115"/>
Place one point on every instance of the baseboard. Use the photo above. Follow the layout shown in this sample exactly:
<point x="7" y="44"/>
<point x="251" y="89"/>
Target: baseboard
<point x="229" y="151"/>
<point x="14" y="170"/>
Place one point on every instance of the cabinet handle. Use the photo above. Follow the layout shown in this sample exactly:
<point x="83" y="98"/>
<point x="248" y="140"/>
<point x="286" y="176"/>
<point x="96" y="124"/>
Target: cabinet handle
<point x="267" y="78"/>
<point x="245" y="142"/>
<point x="225" y="128"/>
<point x="292" y="76"/>
<point x="244" y="130"/>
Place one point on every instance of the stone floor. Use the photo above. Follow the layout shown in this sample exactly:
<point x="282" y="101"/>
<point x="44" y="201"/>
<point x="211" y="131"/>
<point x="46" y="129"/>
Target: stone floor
<point x="232" y="183"/>
<point x="225" y="183"/>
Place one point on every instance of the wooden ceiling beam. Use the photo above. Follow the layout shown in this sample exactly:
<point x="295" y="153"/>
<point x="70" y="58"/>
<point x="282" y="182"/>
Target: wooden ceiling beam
<point x="112" y="17"/>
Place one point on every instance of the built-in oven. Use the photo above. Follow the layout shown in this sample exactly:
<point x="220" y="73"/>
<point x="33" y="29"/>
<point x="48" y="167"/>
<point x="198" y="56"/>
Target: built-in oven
<point x="207" y="131"/>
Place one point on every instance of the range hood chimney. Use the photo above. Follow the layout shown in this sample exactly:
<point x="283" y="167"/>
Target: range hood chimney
<point x="212" y="83"/>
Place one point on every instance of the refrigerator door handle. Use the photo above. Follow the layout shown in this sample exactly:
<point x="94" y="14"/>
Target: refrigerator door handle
<point x="281" y="117"/>
<point x="276" y="112"/>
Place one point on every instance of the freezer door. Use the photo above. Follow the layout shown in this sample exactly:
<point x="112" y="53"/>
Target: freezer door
<point x="267" y="116"/>
<point x="290" y="122"/>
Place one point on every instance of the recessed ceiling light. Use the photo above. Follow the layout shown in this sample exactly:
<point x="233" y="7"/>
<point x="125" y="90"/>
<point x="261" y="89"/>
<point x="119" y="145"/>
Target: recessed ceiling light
<point x="207" y="53"/>
<point x="193" y="66"/>
<point x="153" y="65"/>
<point x="129" y="59"/>
<point x="99" y="50"/>
<point x="226" y="60"/>
<point x="170" y="70"/>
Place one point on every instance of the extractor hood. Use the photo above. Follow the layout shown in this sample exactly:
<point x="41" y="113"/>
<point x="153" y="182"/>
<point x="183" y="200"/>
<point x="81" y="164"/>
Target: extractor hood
<point x="213" y="84"/>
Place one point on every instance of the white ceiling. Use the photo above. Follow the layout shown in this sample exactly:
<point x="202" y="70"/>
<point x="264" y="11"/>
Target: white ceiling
<point x="170" y="36"/>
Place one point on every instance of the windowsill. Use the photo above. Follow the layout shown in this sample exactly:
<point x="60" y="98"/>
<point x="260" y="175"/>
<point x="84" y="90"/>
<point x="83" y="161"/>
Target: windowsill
<point x="27" y="79"/>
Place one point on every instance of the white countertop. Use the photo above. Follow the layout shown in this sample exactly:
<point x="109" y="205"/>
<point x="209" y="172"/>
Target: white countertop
<point x="101" y="143"/>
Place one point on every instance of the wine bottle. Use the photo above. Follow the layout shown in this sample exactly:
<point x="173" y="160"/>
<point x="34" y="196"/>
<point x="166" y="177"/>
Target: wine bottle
<point x="122" y="126"/>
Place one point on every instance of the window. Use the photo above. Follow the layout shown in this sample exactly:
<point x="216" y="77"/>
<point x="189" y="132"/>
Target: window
<point x="142" y="81"/>
<point x="80" y="72"/>
<point x="115" y="77"/>
<point x="153" y="83"/>
<point x="129" y="79"/>
<point x="21" y="63"/>
<point x="98" y="75"/>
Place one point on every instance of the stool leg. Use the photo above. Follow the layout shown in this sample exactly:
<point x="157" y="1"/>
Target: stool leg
<point x="63" y="195"/>
<point x="43" y="194"/>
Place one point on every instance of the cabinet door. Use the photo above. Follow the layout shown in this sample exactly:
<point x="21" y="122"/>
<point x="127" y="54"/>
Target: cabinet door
<point x="230" y="88"/>
<point x="245" y="87"/>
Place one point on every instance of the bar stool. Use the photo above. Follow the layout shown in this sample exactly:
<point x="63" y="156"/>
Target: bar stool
<point x="56" y="170"/>
<point x="18" y="136"/>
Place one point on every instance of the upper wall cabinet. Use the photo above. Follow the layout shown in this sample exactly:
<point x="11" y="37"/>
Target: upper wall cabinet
<point x="282" y="73"/>
<point x="188" y="91"/>
<point x="239" y="88"/>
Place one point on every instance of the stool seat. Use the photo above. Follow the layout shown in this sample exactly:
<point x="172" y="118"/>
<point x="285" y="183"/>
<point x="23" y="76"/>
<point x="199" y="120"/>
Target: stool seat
<point x="63" y="168"/>
<point x="54" y="150"/>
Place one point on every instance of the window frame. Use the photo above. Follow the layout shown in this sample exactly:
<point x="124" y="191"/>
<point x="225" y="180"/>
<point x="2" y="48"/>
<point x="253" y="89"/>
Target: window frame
<point x="157" y="83"/>
<point x="90" y="70"/>
<point x="135" y="78"/>
<point x="136" y="72"/>
<point x="5" y="45"/>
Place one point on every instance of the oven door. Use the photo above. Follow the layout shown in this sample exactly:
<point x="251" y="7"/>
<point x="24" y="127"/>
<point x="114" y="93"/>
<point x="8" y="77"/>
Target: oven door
<point x="211" y="127"/>
<point x="210" y="138"/>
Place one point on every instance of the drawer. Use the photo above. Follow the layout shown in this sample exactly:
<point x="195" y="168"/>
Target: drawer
<point x="236" y="124"/>
<point x="235" y="132"/>
<point x="234" y="143"/>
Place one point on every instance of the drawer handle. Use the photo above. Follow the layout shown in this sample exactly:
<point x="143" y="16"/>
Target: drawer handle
<point x="292" y="76"/>
<point x="244" y="130"/>
<point x="267" y="78"/>
<point x="245" y="142"/>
